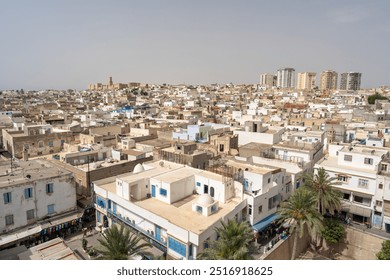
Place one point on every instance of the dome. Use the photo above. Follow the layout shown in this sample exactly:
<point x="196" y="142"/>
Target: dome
<point x="138" y="168"/>
<point x="205" y="200"/>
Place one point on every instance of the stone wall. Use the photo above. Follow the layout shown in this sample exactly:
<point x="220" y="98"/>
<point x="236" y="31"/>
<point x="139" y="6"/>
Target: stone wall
<point x="283" y="249"/>
<point x="357" y="245"/>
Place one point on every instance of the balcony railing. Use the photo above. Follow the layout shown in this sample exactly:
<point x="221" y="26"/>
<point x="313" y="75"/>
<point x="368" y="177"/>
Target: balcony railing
<point x="152" y="239"/>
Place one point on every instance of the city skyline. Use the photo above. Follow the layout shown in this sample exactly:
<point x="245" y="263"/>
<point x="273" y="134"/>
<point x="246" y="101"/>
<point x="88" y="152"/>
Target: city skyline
<point x="67" y="44"/>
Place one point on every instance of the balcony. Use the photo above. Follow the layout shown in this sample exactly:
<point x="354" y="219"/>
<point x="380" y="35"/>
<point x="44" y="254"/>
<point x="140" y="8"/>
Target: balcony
<point x="152" y="239"/>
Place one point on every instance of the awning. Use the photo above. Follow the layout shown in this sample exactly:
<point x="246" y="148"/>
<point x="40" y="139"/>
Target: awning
<point x="357" y="210"/>
<point x="264" y="223"/>
<point x="8" y="238"/>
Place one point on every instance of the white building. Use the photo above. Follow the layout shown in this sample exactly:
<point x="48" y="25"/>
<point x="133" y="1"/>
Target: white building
<point x="265" y="188"/>
<point x="34" y="195"/>
<point x="177" y="207"/>
<point x="285" y="78"/>
<point x="255" y="131"/>
<point x="362" y="176"/>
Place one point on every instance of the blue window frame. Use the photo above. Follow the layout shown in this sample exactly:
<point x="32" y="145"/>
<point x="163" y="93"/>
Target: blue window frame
<point x="246" y="185"/>
<point x="153" y="191"/>
<point x="177" y="246"/>
<point x="199" y="209"/>
<point x="163" y="192"/>
<point x="28" y="193"/>
<point x="49" y="188"/>
<point x="101" y="202"/>
<point x="198" y="184"/>
<point x="213" y="208"/>
<point x="50" y="209"/>
<point x="7" y="197"/>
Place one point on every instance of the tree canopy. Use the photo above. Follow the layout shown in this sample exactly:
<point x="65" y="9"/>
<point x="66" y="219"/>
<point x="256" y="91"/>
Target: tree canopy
<point x="119" y="243"/>
<point x="233" y="242"/>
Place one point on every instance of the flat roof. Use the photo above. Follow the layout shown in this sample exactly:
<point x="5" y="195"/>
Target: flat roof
<point x="331" y="163"/>
<point x="254" y="145"/>
<point x="177" y="174"/>
<point x="54" y="249"/>
<point x="251" y="167"/>
<point x="365" y="150"/>
<point x="151" y="169"/>
<point x="182" y="215"/>
<point x="29" y="171"/>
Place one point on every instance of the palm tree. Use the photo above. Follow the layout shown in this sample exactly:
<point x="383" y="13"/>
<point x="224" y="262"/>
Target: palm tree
<point x="300" y="212"/>
<point x="120" y="244"/>
<point x="323" y="187"/>
<point x="233" y="242"/>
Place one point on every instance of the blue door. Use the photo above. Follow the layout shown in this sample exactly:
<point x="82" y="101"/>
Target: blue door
<point x="153" y="191"/>
<point x="158" y="233"/>
<point x="114" y="207"/>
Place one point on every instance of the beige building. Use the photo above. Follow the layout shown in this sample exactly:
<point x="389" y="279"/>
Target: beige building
<point x="306" y="80"/>
<point x="328" y="80"/>
<point x="268" y="80"/>
<point x="35" y="140"/>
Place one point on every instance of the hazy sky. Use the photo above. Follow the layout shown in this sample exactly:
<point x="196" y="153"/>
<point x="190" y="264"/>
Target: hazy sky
<point x="72" y="43"/>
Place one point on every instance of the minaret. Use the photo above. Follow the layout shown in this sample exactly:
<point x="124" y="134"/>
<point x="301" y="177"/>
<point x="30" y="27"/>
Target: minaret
<point x="110" y="83"/>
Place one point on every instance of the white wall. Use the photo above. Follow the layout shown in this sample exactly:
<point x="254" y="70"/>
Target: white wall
<point x="63" y="198"/>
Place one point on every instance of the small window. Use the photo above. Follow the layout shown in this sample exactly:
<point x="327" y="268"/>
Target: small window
<point x="368" y="161"/>
<point x="342" y="178"/>
<point x="51" y="143"/>
<point x="249" y="210"/>
<point x="199" y="209"/>
<point x="269" y="180"/>
<point x="50" y="209"/>
<point x="380" y="186"/>
<point x="260" y="209"/>
<point x="346" y="196"/>
<point x="40" y="144"/>
<point x="163" y="192"/>
<point x="30" y="214"/>
<point x="49" y="188"/>
<point x="214" y="208"/>
<point x="28" y="193"/>
<point x="363" y="183"/>
<point x="378" y="203"/>
<point x="212" y="191"/>
<point x="198" y="184"/>
<point x="347" y="157"/>
<point x="384" y="167"/>
<point x="9" y="220"/>
<point x="7" y="197"/>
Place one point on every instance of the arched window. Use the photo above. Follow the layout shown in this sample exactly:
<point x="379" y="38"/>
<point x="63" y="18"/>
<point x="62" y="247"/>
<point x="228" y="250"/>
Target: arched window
<point x="212" y="191"/>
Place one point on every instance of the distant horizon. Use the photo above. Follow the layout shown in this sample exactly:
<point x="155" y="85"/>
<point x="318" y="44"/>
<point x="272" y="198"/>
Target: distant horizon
<point x="71" y="44"/>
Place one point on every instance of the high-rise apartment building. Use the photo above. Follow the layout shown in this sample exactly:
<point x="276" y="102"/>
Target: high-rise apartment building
<point x="350" y="81"/>
<point x="328" y="80"/>
<point x="285" y="78"/>
<point x="306" y="80"/>
<point x="268" y="80"/>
